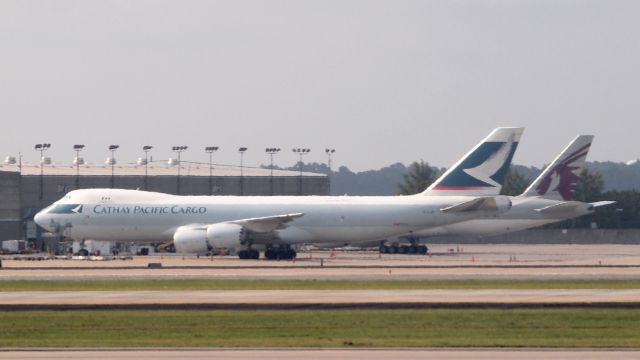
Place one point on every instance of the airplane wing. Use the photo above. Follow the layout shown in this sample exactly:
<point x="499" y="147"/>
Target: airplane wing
<point x="267" y="223"/>
<point x="200" y="238"/>
<point x="258" y="225"/>
<point x="489" y="203"/>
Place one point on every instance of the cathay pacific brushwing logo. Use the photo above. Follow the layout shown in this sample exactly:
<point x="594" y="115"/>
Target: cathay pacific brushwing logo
<point x="492" y="165"/>
<point x="486" y="167"/>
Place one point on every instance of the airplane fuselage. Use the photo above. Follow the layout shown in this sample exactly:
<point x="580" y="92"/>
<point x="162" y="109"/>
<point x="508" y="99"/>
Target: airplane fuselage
<point x="139" y="216"/>
<point x="524" y="214"/>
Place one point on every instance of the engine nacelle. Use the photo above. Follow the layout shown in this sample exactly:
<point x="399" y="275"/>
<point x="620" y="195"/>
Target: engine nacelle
<point x="225" y="235"/>
<point x="202" y="240"/>
<point x="503" y="203"/>
<point x="191" y="241"/>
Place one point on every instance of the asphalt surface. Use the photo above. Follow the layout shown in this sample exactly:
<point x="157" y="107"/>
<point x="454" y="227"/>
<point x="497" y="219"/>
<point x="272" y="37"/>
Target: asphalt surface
<point x="329" y="354"/>
<point x="448" y="261"/>
<point x="232" y="299"/>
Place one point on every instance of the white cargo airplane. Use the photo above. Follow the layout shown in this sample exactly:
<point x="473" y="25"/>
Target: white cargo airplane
<point x="548" y="199"/>
<point x="199" y="224"/>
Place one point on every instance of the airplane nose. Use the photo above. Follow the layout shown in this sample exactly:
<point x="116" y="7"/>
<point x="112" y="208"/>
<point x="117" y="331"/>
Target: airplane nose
<point x="41" y="219"/>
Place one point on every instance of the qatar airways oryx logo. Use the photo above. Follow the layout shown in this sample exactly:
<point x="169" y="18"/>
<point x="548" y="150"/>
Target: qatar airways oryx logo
<point x="563" y="177"/>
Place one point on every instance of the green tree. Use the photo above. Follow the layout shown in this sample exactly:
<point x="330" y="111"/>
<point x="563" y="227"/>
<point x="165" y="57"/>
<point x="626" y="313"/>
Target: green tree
<point x="589" y="186"/>
<point x="588" y="189"/>
<point x="418" y="177"/>
<point x="624" y="214"/>
<point x="514" y="183"/>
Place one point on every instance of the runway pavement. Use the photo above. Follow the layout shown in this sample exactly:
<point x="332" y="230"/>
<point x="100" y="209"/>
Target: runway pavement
<point x="448" y="261"/>
<point x="232" y="299"/>
<point x="329" y="354"/>
<point x="533" y="273"/>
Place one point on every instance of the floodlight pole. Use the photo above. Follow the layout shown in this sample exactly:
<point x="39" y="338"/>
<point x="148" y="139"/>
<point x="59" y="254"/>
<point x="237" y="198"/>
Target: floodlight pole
<point x="77" y="149"/>
<point x="146" y="150"/>
<point x="271" y="152"/>
<point x="42" y="148"/>
<point x="329" y="153"/>
<point x="300" y="152"/>
<point x="241" y="150"/>
<point x="113" y="149"/>
<point x="210" y="150"/>
<point x="179" y="150"/>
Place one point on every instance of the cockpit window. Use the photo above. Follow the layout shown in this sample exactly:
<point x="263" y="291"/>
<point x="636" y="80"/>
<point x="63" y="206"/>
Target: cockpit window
<point x="64" y="209"/>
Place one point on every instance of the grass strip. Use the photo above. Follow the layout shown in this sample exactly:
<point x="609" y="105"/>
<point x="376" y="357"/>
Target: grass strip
<point x="205" y="284"/>
<point x="325" y="328"/>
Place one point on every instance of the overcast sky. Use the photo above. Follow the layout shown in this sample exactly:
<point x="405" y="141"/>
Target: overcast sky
<point x="379" y="81"/>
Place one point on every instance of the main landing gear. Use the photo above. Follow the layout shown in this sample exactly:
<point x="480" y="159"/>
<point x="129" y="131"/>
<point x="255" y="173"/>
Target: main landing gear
<point x="281" y="252"/>
<point x="249" y="254"/>
<point x="272" y="252"/>
<point x="413" y="249"/>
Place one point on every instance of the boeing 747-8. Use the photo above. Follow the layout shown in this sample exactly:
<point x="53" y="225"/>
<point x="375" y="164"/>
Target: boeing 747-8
<point x="199" y="224"/>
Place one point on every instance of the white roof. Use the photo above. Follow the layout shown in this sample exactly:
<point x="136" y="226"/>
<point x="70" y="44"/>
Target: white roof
<point x="155" y="169"/>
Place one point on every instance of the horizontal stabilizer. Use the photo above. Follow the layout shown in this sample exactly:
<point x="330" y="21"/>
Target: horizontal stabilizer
<point x="486" y="203"/>
<point x="562" y="207"/>
<point x="602" y="203"/>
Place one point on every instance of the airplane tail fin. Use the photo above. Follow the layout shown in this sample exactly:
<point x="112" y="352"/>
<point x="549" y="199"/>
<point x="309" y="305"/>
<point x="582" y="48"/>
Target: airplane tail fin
<point x="559" y="179"/>
<point x="482" y="170"/>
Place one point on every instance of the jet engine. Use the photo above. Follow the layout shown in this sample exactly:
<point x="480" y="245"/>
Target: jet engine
<point x="191" y="241"/>
<point x="502" y="203"/>
<point x="202" y="239"/>
<point x="225" y="235"/>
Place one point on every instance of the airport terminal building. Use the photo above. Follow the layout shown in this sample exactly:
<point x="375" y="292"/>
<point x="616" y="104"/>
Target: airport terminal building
<point x="25" y="189"/>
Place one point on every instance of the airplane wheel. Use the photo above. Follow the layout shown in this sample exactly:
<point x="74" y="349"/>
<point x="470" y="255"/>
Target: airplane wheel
<point x="412" y="250"/>
<point x="404" y="249"/>
<point x="422" y="250"/>
<point x="286" y="253"/>
<point x="384" y="249"/>
<point x="270" y="254"/>
<point x="393" y="249"/>
<point x="254" y="254"/>
<point x="242" y="254"/>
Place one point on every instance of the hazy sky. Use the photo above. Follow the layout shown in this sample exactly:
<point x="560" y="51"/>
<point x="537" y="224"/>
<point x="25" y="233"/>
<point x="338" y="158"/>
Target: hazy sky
<point x="379" y="81"/>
